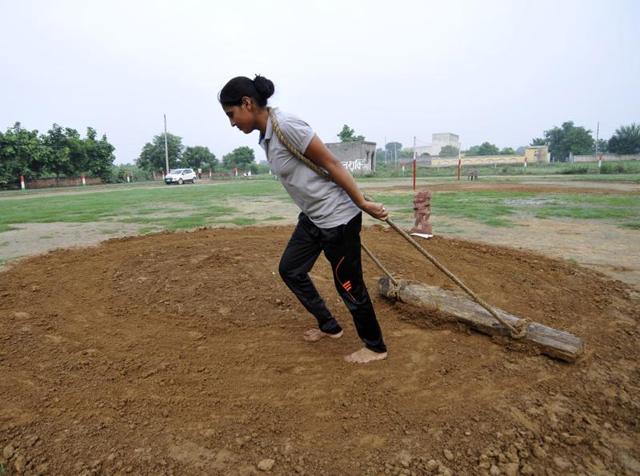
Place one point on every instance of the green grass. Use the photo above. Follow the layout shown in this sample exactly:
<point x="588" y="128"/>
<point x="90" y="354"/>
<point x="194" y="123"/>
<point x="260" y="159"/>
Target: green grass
<point x="617" y="208"/>
<point x="145" y="230"/>
<point x="490" y="208"/>
<point x="172" y="208"/>
<point x="244" y="221"/>
<point x="166" y="207"/>
<point x="500" y="209"/>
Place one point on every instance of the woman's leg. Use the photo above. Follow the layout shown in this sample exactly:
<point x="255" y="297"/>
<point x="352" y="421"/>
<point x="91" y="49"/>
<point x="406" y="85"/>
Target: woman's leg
<point x="342" y="249"/>
<point x="297" y="260"/>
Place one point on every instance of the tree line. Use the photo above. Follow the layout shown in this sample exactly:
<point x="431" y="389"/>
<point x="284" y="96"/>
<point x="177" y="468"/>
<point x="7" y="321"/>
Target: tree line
<point x="152" y="157"/>
<point x="60" y="152"/>
<point x="63" y="152"/>
<point x="570" y="139"/>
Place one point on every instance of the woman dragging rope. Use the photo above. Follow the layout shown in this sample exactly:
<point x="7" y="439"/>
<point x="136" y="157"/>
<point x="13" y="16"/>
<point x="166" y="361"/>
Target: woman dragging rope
<point x="330" y="220"/>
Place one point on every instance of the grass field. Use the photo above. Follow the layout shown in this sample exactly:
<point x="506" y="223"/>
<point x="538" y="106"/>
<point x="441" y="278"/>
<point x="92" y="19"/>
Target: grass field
<point x="165" y="207"/>
<point x="172" y="208"/>
<point x="618" y="170"/>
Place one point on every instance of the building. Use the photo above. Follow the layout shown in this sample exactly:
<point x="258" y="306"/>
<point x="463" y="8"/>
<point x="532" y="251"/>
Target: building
<point x="359" y="157"/>
<point x="537" y="154"/>
<point x="438" y="141"/>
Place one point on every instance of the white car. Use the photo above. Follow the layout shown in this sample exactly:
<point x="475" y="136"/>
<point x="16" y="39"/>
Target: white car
<point x="180" y="176"/>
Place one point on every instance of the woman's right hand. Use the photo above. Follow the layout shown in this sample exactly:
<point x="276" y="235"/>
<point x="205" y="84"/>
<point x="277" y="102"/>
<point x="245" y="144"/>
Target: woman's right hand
<point x="376" y="210"/>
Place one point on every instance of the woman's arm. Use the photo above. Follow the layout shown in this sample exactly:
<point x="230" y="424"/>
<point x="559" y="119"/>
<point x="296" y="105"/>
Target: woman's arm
<point x="322" y="156"/>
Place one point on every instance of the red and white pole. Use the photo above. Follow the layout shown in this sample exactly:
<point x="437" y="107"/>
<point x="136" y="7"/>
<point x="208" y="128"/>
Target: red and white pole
<point x="22" y="185"/>
<point x="84" y="182"/>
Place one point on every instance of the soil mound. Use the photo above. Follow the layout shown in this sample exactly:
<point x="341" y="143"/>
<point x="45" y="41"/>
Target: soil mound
<point x="182" y="354"/>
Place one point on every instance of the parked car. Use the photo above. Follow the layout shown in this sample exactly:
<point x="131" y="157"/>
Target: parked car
<point x="180" y="176"/>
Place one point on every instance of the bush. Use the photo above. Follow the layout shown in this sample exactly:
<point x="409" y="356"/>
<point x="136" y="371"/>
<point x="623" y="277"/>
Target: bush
<point x="575" y="170"/>
<point x="612" y="169"/>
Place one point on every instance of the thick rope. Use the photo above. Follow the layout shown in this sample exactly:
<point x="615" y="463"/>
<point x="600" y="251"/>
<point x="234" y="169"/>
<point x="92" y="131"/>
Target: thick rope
<point x="515" y="332"/>
<point x="380" y="265"/>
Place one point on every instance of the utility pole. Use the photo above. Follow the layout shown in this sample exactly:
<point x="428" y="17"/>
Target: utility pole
<point x="415" y="157"/>
<point x="385" y="151"/>
<point x="597" y="137"/>
<point x="395" y="153"/>
<point x="166" y="147"/>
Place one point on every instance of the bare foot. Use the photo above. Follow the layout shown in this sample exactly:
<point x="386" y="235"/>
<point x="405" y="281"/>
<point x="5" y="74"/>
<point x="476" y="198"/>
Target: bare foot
<point x="314" y="335"/>
<point x="364" y="356"/>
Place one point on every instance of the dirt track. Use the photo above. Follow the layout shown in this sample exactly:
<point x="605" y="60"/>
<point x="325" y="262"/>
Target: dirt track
<point x="182" y="354"/>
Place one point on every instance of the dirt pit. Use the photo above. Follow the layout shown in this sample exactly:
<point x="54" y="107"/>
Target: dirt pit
<point x="182" y="354"/>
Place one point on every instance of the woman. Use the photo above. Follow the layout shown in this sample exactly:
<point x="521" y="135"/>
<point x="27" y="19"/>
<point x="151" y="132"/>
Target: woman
<point x="330" y="220"/>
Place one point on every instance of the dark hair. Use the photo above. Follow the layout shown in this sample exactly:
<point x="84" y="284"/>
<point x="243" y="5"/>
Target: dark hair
<point x="260" y="89"/>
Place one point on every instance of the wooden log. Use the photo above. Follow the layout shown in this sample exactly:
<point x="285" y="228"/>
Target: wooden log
<point x="552" y="342"/>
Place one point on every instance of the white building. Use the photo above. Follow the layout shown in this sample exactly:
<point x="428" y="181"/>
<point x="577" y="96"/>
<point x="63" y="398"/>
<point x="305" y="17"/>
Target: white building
<point x="438" y="141"/>
<point x="359" y="157"/>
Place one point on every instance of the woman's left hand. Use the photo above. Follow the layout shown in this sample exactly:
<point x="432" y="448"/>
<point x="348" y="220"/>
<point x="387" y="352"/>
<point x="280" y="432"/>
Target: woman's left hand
<point x="376" y="210"/>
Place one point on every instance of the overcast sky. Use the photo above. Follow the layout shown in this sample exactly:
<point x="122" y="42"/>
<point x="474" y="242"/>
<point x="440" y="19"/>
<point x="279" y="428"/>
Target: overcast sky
<point x="499" y="71"/>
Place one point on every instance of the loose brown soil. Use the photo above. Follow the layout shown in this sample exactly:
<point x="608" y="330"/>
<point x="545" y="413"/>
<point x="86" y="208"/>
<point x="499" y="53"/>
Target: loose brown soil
<point x="183" y="354"/>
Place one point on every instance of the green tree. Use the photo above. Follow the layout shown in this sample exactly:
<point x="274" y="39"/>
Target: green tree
<point x="507" y="151"/>
<point x="59" y="152"/>
<point x="120" y="172"/>
<point x="78" y="158"/>
<point x="99" y="156"/>
<point x="152" y="156"/>
<point x="21" y="153"/>
<point x="199" y="157"/>
<point x="567" y="140"/>
<point x="393" y="149"/>
<point x="486" y="148"/>
<point x="240" y="157"/>
<point x="406" y="153"/>
<point x="102" y="159"/>
<point x="58" y="159"/>
<point x="449" y="151"/>
<point x="626" y="140"/>
<point x="538" y="141"/>
<point x="603" y="146"/>
<point x="348" y="135"/>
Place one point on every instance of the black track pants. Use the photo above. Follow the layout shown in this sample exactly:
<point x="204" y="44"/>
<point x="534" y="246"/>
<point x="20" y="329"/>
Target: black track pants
<point x="341" y="246"/>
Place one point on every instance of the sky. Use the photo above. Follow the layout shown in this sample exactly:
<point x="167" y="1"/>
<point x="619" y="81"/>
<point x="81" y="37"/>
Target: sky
<point x="492" y="70"/>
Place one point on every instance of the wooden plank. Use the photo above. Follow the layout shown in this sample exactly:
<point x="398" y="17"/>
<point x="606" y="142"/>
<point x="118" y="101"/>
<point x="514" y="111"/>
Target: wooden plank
<point x="552" y="342"/>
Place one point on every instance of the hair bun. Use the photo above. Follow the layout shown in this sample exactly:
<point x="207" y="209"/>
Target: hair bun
<point x="264" y="87"/>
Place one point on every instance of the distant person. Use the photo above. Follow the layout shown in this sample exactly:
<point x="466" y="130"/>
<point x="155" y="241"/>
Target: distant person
<point x="330" y="220"/>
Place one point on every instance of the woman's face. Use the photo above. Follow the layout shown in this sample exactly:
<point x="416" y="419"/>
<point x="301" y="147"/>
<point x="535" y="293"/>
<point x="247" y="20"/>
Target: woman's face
<point x="242" y="116"/>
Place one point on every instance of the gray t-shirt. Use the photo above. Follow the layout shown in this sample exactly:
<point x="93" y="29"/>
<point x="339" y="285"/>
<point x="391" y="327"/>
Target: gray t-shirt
<point x="323" y="201"/>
